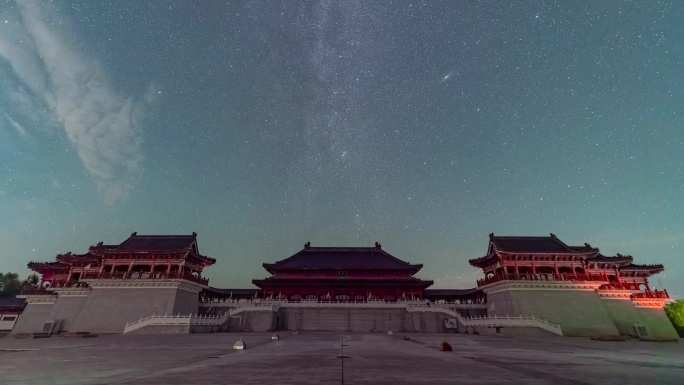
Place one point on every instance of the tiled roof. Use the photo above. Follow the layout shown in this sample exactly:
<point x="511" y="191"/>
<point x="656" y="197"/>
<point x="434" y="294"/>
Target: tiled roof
<point x="157" y="242"/>
<point x="620" y="259"/>
<point x="549" y="244"/>
<point x="430" y="293"/>
<point x="12" y="305"/>
<point x="652" y="268"/>
<point x="585" y="248"/>
<point x="410" y="282"/>
<point x="343" y="258"/>
<point x="234" y="292"/>
<point x="47" y="266"/>
<point x="528" y="245"/>
<point x="69" y="257"/>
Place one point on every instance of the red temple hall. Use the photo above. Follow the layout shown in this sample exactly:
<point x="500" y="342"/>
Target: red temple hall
<point x="342" y="274"/>
<point x="549" y="259"/>
<point x="155" y="284"/>
<point x="139" y="256"/>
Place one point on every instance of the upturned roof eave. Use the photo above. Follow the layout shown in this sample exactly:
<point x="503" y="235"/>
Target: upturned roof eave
<point x="569" y="252"/>
<point x="321" y="281"/>
<point x="274" y="267"/>
<point x="653" y="269"/>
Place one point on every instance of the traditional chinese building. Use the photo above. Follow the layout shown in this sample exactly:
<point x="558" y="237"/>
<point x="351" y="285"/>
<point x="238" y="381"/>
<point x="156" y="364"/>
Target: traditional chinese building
<point x="110" y="285"/>
<point x="584" y="291"/>
<point x="342" y="274"/>
<point x="138" y="257"/>
<point x="568" y="290"/>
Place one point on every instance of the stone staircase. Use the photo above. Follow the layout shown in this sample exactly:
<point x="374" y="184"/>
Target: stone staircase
<point x="193" y="320"/>
<point x="494" y="321"/>
<point x="204" y="323"/>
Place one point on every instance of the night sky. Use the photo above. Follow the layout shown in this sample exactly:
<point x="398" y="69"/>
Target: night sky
<point x="424" y="126"/>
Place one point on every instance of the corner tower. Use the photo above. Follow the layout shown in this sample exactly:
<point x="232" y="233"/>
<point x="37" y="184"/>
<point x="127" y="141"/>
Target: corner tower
<point x="577" y="287"/>
<point x="110" y="285"/>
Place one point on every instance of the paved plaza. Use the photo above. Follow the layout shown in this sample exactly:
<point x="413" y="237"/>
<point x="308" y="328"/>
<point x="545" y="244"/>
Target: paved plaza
<point x="336" y="358"/>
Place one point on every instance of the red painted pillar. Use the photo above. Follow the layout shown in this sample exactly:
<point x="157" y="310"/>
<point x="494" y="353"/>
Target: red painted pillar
<point x="517" y="273"/>
<point x="130" y="268"/>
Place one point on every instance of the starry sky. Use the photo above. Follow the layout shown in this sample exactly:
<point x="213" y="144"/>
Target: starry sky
<point x="424" y="126"/>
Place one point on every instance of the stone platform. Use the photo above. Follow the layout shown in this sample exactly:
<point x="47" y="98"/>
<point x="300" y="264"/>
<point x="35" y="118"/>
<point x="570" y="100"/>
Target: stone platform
<point x="320" y="358"/>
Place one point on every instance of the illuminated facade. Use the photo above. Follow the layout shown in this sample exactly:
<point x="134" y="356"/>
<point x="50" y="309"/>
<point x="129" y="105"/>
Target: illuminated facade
<point x="576" y="287"/>
<point x="575" y="290"/>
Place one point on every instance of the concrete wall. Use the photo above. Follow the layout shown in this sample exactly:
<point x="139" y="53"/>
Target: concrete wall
<point x="163" y="329"/>
<point x="258" y="321"/>
<point x="348" y="319"/>
<point x="658" y="325"/>
<point x="427" y="322"/>
<point x="501" y="304"/>
<point x="107" y="310"/>
<point x="233" y="324"/>
<point x="33" y="318"/>
<point x="65" y="310"/>
<point x="579" y="312"/>
<point x="524" y="332"/>
<point x="623" y="314"/>
<point x="360" y="320"/>
<point x="186" y="302"/>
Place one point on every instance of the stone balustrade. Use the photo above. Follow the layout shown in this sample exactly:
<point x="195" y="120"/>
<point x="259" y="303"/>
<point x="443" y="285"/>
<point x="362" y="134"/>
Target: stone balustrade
<point x="563" y="277"/>
<point x="122" y="275"/>
<point x="661" y="294"/>
<point x="220" y="301"/>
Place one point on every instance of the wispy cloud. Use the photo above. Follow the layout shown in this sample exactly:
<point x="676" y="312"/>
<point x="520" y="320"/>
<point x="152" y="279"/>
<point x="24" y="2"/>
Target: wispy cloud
<point x="104" y="126"/>
<point x="17" y="127"/>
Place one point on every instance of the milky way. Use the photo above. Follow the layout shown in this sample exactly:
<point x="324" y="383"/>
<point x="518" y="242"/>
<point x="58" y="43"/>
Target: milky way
<point x="263" y="125"/>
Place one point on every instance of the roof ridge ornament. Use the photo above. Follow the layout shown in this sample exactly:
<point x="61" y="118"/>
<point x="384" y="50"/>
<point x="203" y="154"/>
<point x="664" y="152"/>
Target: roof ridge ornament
<point x="133" y="234"/>
<point x="307" y="245"/>
<point x="378" y="246"/>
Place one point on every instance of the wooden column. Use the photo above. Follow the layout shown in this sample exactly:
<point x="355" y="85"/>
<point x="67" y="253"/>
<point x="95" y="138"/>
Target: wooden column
<point x="517" y="273"/>
<point x="130" y="268"/>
